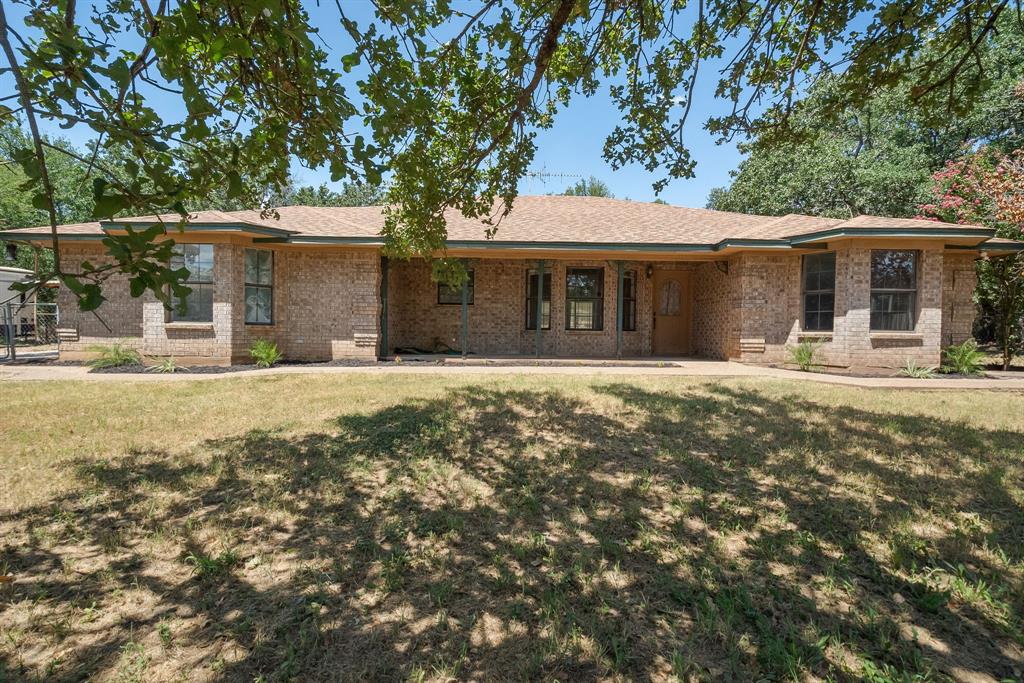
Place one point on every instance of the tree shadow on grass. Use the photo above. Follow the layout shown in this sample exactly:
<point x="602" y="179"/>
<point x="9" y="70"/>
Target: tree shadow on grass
<point x="710" y="533"/>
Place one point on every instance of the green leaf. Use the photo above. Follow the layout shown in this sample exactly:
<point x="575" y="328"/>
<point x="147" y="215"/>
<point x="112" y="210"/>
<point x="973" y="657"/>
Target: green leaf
<point x="109" y="205"/>
<point x="41" y="201"/>
<point x="91" y="297"/>
<point x="234" y="184"/>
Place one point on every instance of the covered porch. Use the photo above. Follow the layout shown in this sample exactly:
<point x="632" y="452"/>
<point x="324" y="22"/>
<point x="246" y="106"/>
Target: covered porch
<point x="587" y="308"/>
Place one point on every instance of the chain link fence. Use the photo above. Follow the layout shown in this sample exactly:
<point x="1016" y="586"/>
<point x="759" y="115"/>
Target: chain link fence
<point x="29" y="326"/>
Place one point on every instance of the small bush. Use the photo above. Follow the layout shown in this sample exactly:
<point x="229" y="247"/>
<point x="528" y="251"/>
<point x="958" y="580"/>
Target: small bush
<point x="964" y="359"/>
<point x="167" y="365"/>
<point x="114" y="355"/>
<point x="912" y="369"/>
<point x="265" y="353"/>
<point x="803" y="355"/>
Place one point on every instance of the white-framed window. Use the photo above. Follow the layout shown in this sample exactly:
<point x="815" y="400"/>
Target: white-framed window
<point x="819" y="289"/>
<point x="259" y="287"/>
<point x="197" y="306"/>
<point x="893" y="290"/>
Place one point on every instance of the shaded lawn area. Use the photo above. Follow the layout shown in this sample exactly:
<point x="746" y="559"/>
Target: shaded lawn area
<point x="509" y="528"/>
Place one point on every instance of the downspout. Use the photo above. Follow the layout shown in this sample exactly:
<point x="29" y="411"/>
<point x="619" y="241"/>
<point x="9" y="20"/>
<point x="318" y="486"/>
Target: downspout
<point x="384" y="270"/>
<point x="465" y="310"/>
<point x="540" y="305"/>
<point x="619" y="300"/>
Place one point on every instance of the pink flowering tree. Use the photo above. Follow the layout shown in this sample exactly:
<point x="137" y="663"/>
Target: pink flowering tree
<point x="986" y="187"/>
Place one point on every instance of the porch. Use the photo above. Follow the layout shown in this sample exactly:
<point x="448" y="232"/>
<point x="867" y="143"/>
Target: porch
<point x="589" y="309"/>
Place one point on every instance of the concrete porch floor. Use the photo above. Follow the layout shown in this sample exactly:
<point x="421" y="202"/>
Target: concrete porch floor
<point x="550" y="361"/>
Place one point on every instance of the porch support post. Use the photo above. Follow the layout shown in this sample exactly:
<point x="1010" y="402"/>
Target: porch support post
<point x="383" y="307"/>
<point x="621" y="266"/>
<point x="540" y="306"/>
<point x="465" y="309"/>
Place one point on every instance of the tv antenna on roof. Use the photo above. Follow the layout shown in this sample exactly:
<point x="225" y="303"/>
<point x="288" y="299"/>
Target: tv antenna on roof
<point x="543" y="175"/>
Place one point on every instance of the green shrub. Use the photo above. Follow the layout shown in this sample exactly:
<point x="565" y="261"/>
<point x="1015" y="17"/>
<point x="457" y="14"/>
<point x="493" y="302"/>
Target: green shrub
<point x="964" y="359"/>
<point x="265" y="353"/>
<point x="803" y="355"/>
<point x="114" y="355"/>
<point x="912" y="369"/>
<point x="207" y="566"/>
<point x="167" y="365"/>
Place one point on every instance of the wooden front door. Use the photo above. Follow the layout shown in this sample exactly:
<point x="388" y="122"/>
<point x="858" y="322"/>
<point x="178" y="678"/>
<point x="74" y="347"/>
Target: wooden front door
<point x="673" y="311"/>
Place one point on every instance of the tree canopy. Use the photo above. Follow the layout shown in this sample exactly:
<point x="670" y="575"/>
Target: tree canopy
<point x="75" y="202"/>
<point x="986" y="187"/>
<point x="588" y="187"/>
<point x="878" y="157"/>
<point x="447" y="103"/>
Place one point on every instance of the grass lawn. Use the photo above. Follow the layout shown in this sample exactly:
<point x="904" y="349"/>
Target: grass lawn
<point x="414" y="528"/>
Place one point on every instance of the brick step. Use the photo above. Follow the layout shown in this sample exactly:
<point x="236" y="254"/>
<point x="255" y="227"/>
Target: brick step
<point x="752" y="345"/>
<point x="67" y="334"/>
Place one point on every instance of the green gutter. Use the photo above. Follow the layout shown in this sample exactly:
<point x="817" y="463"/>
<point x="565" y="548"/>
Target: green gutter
<point x="374" y="241"/>
<point x="1001" y="246"/>
<point x="889" y="232"/>
<point x="554" y="246"/>
<point x="281" y="236"/>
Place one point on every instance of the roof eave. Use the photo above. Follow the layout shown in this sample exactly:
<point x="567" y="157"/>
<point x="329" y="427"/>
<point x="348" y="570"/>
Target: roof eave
<point x="906" y="233"/>
<point x="262" y="230"/>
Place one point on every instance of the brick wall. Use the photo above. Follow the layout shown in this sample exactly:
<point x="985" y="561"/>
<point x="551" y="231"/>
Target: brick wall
<point x="325" y="307"/>
<point x="716" y="327"/>
<point x="497" y="317"/>
<point x="120" y="317"/>
<point x="769" y="305"/>
<point x="881" y="350"/>
<point x="959" y="277"/>
<point x="770" y="308"/>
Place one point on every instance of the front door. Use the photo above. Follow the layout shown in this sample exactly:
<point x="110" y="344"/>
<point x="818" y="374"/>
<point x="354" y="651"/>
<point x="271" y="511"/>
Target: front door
<point x="672" y="312"/>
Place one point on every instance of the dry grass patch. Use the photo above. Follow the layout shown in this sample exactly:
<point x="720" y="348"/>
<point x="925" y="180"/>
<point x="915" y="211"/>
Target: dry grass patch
<point x="305" y="528"/>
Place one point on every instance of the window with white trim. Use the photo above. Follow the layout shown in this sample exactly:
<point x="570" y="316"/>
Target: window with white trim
<point x="819" y="289"/>
<point x="584" y="298"/>
<point x="893" y="290"/>
<point x="197" y="306"/>
<point x="259" y="287"/>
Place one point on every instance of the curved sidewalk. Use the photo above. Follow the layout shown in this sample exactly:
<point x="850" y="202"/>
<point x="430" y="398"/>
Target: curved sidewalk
<point x="1011" y="381"/>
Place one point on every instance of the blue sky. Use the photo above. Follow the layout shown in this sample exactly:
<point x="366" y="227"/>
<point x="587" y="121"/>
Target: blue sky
<point x="572" y="148"/>
<point x="568" y="151"/>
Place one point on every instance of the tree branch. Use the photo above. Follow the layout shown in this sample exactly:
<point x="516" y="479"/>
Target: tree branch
<point x="37" y="140"/>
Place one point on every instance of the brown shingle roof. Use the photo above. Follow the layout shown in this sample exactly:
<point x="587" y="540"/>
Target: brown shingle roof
<point x="865" y="221"/>
<point x="539" y="219"/>
<point x="548" y="219"/>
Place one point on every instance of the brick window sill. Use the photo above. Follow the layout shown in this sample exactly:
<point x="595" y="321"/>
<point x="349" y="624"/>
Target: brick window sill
<point x="181" y="325"/>
<point x="823" y="337"/>
<point x="897" y="336"/>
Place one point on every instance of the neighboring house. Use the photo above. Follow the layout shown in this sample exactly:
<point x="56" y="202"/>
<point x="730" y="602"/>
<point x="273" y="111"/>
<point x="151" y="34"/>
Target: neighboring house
<point x="23" y="312"/>
<point x="8" y="276"/>
<point x="603" y="277"/>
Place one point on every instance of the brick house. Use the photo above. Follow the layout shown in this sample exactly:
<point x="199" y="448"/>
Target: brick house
<point x="603" y="277"/>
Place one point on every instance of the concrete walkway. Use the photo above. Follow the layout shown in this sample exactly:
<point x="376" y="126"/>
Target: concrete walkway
<point x="1013" y="381"/>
